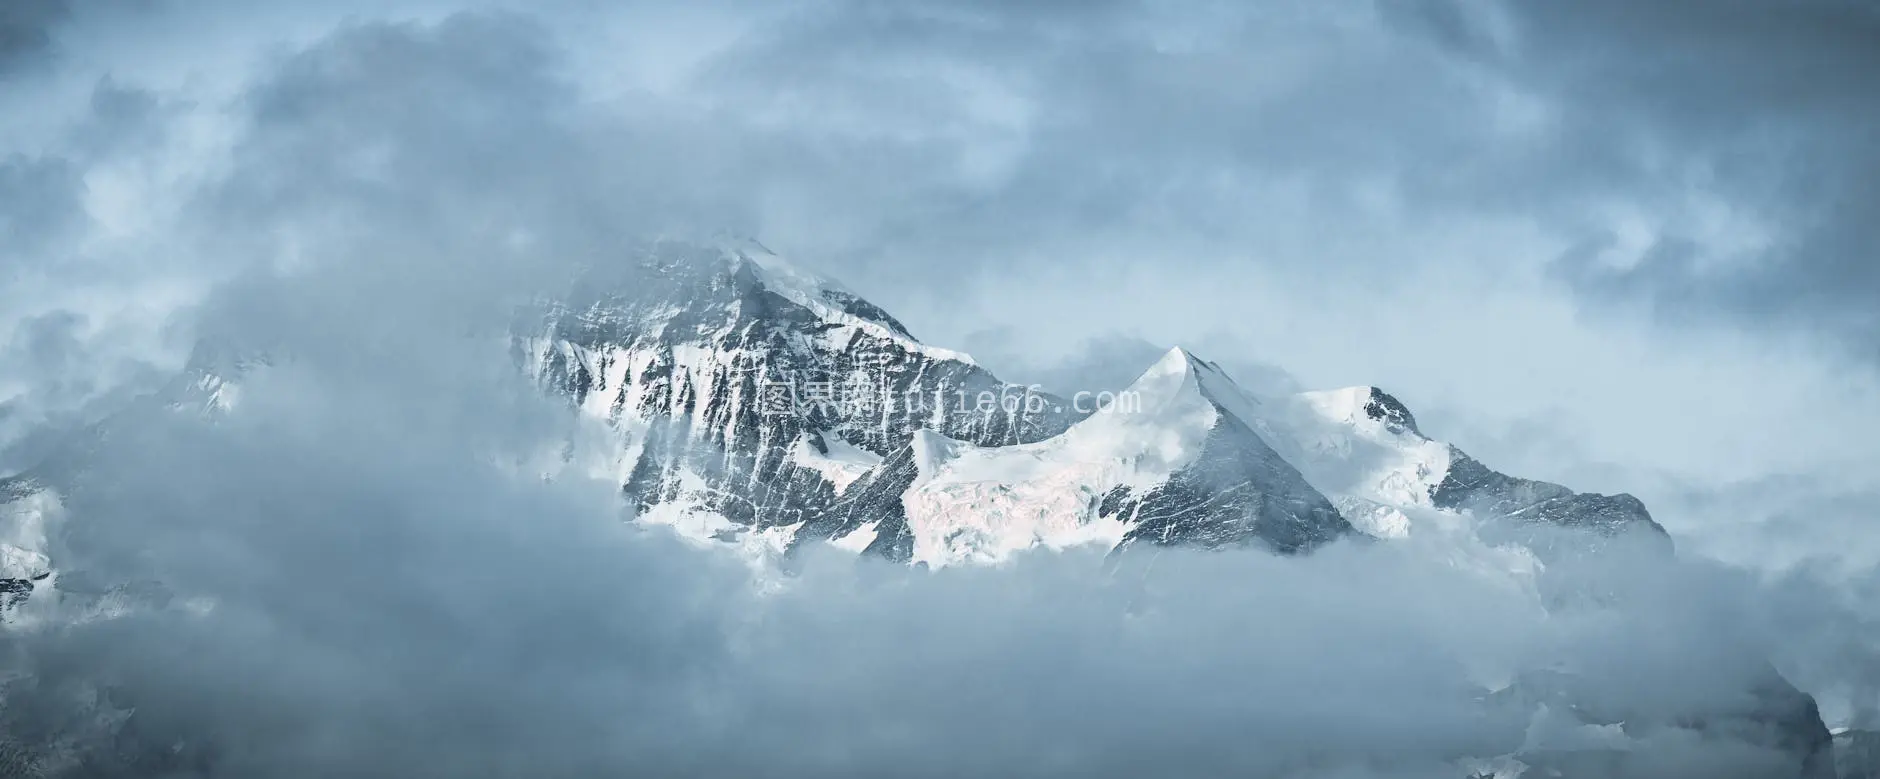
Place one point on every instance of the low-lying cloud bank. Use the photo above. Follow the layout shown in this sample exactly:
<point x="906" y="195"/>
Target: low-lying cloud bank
<point x="347" y="579"/>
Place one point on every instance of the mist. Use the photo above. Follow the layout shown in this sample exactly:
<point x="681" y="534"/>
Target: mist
<point x="361" y="568"/>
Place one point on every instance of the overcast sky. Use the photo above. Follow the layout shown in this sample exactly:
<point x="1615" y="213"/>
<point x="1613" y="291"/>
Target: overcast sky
<point x="1621" y="245"/>
<point x="1625" y="246"/>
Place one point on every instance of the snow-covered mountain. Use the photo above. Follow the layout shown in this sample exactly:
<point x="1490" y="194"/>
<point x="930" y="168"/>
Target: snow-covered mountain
<point x="756" y="399"/>
<point x="875" y="441"/>
<point x="753" y="402"/>
<point x="1363" y="447"/>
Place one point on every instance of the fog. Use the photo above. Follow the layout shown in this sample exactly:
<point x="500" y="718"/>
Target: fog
<point x="357" y="571"/>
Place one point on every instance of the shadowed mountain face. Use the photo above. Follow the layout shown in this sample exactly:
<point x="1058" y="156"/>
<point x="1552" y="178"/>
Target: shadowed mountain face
<point x="1524" y="506"/>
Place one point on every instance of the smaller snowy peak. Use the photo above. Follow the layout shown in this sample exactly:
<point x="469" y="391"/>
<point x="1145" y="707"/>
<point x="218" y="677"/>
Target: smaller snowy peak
<point x="1362" y="405"/>
<point x="1363" y="447"/>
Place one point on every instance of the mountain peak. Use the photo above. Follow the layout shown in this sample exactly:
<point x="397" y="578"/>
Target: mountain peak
<point x="1175" y="365"/>
<point x="1181" y="373"/>
<point x="824" y="297"/>
<point x="1382" y="406"/>
<point x="1365" y="448"/>
<point x="1360" y="404"/>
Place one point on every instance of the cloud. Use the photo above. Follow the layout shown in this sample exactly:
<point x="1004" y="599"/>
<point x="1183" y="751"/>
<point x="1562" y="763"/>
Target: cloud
<point x="24" y="31"/>
<point x="356" y="585"/>
<point x="1757" y="105"/>
<point x="355" y="579"/>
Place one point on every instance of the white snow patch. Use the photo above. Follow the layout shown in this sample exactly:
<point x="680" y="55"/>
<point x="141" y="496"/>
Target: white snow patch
<point x="841" y="466"/>
<point x="688" y="518"/>
<point x="222" y="394"/>
<point x="763" y="548"/>
<point x="1372" y="518"/>
<point x="858" y="540"/>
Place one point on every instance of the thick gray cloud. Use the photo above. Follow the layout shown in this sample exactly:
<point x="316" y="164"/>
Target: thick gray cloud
<point x="1763" y="108"/>
<point x="85" y="311"/>
<point x="24" y="33"/>
<point x="1767" y="105"/>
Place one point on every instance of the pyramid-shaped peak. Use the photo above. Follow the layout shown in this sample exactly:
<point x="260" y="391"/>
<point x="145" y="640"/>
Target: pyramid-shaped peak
<point x="1180" y="361"/>
<point x="1181" y="374"/>
<point x="1175" y="362"/>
